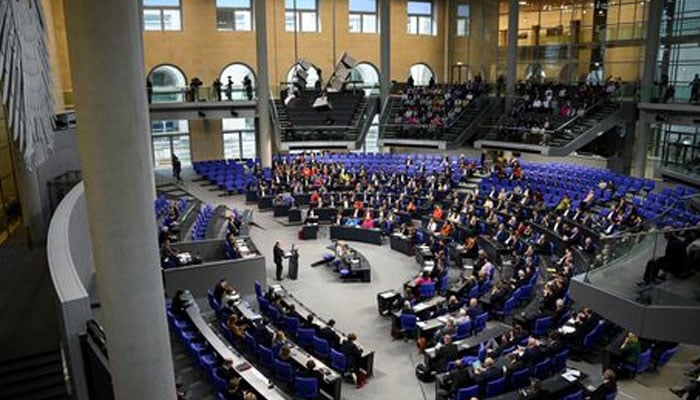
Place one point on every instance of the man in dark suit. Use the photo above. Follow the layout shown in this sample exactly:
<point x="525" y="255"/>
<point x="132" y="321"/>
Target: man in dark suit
<point x="328" y="333"/>
<point x="607" y="387"/>
<point x="278" y="255"/>
<point x="445" y="353"/>
<point x="488" y="372"/>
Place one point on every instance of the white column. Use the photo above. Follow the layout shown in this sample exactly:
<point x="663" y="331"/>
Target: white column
<point x="107" y="66"/>
<point x="264" y="130"/>
<point x="385" y="48"/>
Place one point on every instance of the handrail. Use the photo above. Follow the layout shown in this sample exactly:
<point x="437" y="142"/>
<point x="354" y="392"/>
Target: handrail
<point x="493" y="103"/>
<point x="368" y="117"/>
<point x="275" y="123"/>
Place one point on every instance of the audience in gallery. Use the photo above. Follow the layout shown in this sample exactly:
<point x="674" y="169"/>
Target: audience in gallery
<point x="543" y="107"/>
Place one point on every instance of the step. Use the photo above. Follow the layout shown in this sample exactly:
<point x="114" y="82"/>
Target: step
<point x="34" y="386"/>
<point x="13" y="365"/>
<point x="25" y="374"/>
<point x="56" y="392"/>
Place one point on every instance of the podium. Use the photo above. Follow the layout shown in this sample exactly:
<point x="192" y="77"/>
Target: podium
<point x="293" y="270"/>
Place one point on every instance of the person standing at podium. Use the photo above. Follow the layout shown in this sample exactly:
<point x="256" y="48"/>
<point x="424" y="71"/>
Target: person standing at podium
<point x="278" y="255"/>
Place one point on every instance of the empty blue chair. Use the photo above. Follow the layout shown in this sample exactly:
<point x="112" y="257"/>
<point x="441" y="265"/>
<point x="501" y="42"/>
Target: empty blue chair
<point x="542" y="369"/>
<point x="559" y="361"/>
<point x="218" y="380"/>
<point x="480" y="322"/>
<point x="306" y="388"/>
<point x="464" y="329"/>
<point x="641" y="366"/>
<point x="213" y="303"/>
<point x="291" y="325"/>
<point x="427" y="290"/>
<point x="507" y="309"/>
<point x="338" y="361"/>
<point x="542" y="325"/>
<point x="258" y="289"/>
<point x="208" y="361"/>
<point x="495" y="387"/>
<point x="284" y="371"/>
<point x="250" y="341"/>
<point x="468" y="392"/>
<point x="267" y="358"/>
<point x="408" y="324"/>
<point x="196" y="348"/>
<point x="666" y="356"/>
<point x="220" y="396"/>
<point x="574" y="396"/>
<point x="520" y="379"/>
<point x="321" y="347"/>
<point x="305" y="337"/>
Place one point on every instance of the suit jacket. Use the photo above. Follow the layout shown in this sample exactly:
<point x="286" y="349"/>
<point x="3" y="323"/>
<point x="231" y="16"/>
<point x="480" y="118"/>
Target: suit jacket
<point x="330" y="335"/>
<point x="278" y="254"/>
<point x="488" y="374"/>
<point x="603" y="390"/>
<point x="444" y="355"/>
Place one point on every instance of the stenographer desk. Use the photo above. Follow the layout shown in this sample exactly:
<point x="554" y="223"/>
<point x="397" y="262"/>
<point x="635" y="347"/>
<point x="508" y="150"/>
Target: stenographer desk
<point x="357" y="234"/>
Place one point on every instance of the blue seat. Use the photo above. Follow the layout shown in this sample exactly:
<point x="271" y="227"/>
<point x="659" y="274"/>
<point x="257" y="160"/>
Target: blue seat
<point x="574" y="396"/>
<point x="321" y="347"/>
<point x="284" y="371"/>
<point x="258" y="289"/>
<point x="495" y="387"/>
<point x="464" y="329"/>
<point x="542" y="325"/>
<point x="520" y="379"/>
<point x="338" y="361"/>
<point x="267" y="358"/>
<point x="543" y="369"/>
<point x="507" y="309"/>
<point x="480" y="322"/>
<point x="642" y="364"/>
<point x="291" y="325"/>
<point x="559" y="361"/>
<point x="213" y="303"/>
<point x="218" y="380"/>
<point x="208" y="361"/>
<point x="407" y="324"/>
<point x="468" y="392"/>
<point x="305" y="337"/>
<point x="306" y="388"/>
<point x="250" y="342"/>
<point x="611" y="396"/>
<point x="427" y="290"/>
<point x="666" y="356"/>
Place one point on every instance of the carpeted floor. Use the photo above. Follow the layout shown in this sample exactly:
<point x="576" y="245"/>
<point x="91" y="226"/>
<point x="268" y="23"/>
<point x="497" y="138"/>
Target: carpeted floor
<point x="354" y="307"/>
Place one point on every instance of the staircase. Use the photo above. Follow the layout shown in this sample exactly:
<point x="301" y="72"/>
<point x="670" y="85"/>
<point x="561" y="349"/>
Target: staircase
<point x="35" y="377"/>
<point x="567" y="138"/>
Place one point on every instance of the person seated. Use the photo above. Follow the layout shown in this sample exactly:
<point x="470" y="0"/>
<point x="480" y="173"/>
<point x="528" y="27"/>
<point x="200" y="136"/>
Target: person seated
<point x="308" y="371"/>
<point x="229" y="299"/>
<point x="447" y="229"/>
<point x="234" y="389"/>
<point x="220" y="289"/>
<point x="236" y="326"/>
<point x="487" y="372"/>
<point x="309" y="323"/>
<point x="470" y="247"/>
<point x="227" y="371"/>
<point x="446" y="352"/>
<point x="328" y="333"/>
<point x="353" y="355"/>
<point x="168" y="255"/>
<point x="628" y="354"/>
<point x="607" y="387"/>
<point x="368" y="222"/>
<point x="501" y="234"/>
<point x="527" y="356"/>
<point x="422" y="279"/>
<point x="179" y="303"/>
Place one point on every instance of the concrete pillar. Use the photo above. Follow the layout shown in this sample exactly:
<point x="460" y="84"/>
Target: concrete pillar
<point x="385" y="48"/>
<point x="107" y="66"/>
<point x="29" y="193"/>
<point x="655" y="9"/>
<point x="264" y="126"/>
<point x="512" y="55"/>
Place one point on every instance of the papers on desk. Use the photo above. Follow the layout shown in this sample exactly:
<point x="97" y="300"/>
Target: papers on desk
<point x="184" y="258"/>
<point x="388" y="294"/>
<point x="566" y="329"/>
<point x="571" y="375"/>
<point x="242" y="366"/>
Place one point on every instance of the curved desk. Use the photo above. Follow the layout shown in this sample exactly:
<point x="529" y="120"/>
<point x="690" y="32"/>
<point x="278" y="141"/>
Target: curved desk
<point x="341" y="232"/>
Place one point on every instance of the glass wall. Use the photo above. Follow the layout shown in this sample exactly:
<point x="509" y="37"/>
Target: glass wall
<point x="239" y="138"/>
<point x="169" y="84"/>
<point x="10" y="210"/>
<point x="680" y="148"/>
<point x="168" y="138"/>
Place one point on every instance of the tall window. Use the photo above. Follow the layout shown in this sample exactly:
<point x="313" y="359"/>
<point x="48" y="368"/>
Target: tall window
<point x="162" y="15"/>
<point x="420" y="18"/>
<point x="363" y="16"/>
<point x="301" y="16"/>
<point x="168" y="84"/>
<point x="462" y="21"/>
<point x="233" y="15"/>
<point x="168" y="138"/>
<point x="239" y="138"/>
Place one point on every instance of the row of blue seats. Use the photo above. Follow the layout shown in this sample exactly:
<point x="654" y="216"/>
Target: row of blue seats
<point x="199" y="229"/>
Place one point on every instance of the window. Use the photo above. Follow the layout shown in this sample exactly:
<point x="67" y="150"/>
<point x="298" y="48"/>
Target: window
<point x="420" y="18"/>
<point x="237" y="72"/>
<point x="168" y="84"/>
<point x="301" y="16"/>
<point x="161" y="15"/>
<point x="363" y="16"/>
<point x="462" y="21"/>
<point x="311" y="78"/>
<point x="239" y="138"/>
<point x="365" y="74"/>
<point x="170" y="137"/>
<point x="233" y="15"/>
<point x="421" y="74"/>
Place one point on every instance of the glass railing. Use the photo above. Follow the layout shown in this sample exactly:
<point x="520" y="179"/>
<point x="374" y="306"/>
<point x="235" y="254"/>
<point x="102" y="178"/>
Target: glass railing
<point x="181" y="95"/>
<point x="616" y="268"/>
<point x="680" y="94"/>
<point x="682" y="157"/>
<point x="684" y="27"/>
